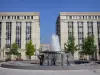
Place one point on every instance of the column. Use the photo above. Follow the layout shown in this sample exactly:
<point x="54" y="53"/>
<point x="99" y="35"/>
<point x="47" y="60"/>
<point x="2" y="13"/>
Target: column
<point x="95" y="32"/>
<point x="75" y="31"/>
<point x="85" y="29"/>
<point x="37" y="35"/>
<point x="63" y="33"/>
<point x="33" y="33"/>
<point x="23" y="35"/>
<point x="13" y="32"/>
<point x="3" y="35"/>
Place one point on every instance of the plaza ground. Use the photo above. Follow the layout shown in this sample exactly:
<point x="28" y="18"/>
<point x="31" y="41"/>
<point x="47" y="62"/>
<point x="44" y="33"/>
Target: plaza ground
<point x="7" y="71"/>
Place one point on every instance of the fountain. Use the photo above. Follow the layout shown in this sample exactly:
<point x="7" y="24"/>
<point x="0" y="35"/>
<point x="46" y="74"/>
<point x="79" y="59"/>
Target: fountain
<point x="54" y="55"/>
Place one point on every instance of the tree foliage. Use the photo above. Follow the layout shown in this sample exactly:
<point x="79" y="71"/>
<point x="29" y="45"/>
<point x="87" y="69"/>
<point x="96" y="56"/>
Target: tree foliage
<point x="14" y="49"/>
<point x="30" y="49"/>
<point x="88" y="46"/>
<point x="70" y="45"/>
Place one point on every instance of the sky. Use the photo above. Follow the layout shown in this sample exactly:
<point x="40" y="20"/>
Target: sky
<point x="49" y="10"/>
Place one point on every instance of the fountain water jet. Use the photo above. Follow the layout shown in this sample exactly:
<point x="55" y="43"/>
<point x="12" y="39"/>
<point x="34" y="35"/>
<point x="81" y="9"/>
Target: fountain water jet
<point x="55" y="45"/>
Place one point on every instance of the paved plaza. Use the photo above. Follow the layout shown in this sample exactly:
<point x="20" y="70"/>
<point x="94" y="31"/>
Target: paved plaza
<point x="82" y="69"/>
<point x="6" y="71"/>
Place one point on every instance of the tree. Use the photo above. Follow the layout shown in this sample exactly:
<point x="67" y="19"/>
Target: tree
<point x="30" y="49"/>
<point x="88" y="46"/>
<point x="14" y="49"/>
<point x="70" y="46"/>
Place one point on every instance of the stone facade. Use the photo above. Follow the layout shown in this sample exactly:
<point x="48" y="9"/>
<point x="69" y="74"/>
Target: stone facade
<point x="80" y="24"/>
<point x="19" y="27"/>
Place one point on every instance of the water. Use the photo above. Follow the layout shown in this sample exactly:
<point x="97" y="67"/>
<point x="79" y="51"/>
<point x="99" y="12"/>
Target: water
<point x="55" y="45"/>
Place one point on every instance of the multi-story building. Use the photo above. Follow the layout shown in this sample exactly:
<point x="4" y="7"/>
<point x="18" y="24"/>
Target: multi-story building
<point x="80" y="24"/>
<point x="19" y="27"/>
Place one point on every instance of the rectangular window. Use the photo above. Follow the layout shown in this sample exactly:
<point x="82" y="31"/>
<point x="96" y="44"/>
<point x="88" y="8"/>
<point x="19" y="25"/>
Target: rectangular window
<point x="0" y="32"/>
<point x="80" y="33"/>
<point x="98" y="29"/>
<point x="2" y="17"/>
<point x="24" y="17"/>
<point x="70" y="28"/>
<point x="28" y="17"/>
<point x="90" y="28"/>
<point x="70" y="17"/>
<point x="89" y="17"/>
<point x="8" y="34"/>
<point x="18" y="34"/>
<point x="98" y="17"/>
<point x="8" y="17"/>
<point x="95" y="17"/>
<point x="17" y="17"/>
<point x="28" y="31"/>
<point x="31" y="17"/>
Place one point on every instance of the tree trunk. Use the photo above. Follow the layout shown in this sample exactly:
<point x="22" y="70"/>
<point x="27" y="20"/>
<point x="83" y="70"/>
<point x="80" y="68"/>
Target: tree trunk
<point x="29" y="57"/>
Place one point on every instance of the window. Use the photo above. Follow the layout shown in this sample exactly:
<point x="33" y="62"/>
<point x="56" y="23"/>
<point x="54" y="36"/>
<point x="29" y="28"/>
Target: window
<point x="70" y="28"/>
<point x="28" y="17"/>
<point x="2" y="17"/>
<point x="70" y="17"/>
<point x="0" y="32"/>
<point x="8" y="34"/>
<point x="80" y="32"/>
<point x="28" y="31"/>
<point x="31" y="17"/>
<point x="83" y="17"/>
<point x="24" y="17"/>
<point x="17" y="17"/>
<point x="89" y="17"/>
<point x="95" y="17"/>
<point x="18" y="34"/>
<point x="90" y="28"/>
<point x="98" y="17"/>
<point x="79" y="17"/>
<point x="8" y="17"/>
<point x="12" y="17"/>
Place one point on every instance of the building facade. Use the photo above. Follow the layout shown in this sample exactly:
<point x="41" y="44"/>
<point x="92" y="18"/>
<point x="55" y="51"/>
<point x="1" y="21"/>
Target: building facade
<point x="19" y="27"/>
<point x="45" y="47"/>
<point x="80" y="24"/>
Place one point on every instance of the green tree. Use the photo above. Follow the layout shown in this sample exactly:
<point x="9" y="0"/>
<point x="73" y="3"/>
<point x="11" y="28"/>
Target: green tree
<point x="70" y="45"/>
<point x="14" y="49"/>
<point x="30" y="49"/>
<point x="88" y="46"/>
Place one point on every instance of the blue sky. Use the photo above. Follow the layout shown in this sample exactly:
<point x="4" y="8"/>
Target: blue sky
<point x="49" y="10"/>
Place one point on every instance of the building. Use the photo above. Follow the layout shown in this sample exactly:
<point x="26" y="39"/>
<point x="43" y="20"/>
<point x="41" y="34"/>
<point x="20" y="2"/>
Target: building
<point x="80" y="24"/>
<point x="45" y="47"/>
<point x="19" y="27"/>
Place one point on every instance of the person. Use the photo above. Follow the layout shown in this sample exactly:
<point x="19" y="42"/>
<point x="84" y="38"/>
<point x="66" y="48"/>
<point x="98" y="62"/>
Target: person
<point x="67" y="60"/>
<point x="54" y="60"/>
<point x="41" y="57"/>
